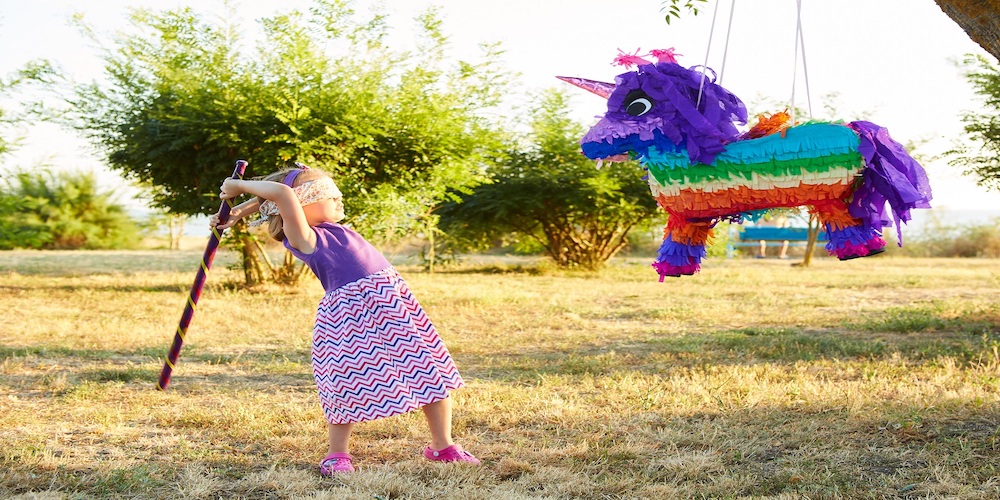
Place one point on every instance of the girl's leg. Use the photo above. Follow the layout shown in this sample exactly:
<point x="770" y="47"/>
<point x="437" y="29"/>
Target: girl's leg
<point x="439" y="422"/>
<point x="340" y="437"/>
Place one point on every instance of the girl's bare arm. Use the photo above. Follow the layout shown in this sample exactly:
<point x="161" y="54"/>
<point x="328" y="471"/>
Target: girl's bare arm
<point x="300" y="236"/>
<point x="235" y="214"/>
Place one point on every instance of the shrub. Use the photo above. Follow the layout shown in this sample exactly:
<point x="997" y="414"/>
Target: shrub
<point x="959" y="240"/>
<point x="44" y="210"/>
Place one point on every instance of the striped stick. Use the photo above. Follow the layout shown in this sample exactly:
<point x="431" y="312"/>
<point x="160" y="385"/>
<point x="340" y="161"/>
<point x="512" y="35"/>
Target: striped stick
<point x="199" y="283"/>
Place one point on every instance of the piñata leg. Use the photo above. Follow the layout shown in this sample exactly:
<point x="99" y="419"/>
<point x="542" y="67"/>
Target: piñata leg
<point x="683" y="247"/>
<point x="849" y="237"/>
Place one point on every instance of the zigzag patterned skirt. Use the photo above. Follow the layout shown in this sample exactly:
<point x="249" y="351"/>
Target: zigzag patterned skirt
<point x="376" y="354"/>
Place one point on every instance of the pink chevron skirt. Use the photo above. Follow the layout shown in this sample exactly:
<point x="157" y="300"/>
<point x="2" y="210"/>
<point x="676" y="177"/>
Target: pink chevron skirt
<point x="376" y="354"/>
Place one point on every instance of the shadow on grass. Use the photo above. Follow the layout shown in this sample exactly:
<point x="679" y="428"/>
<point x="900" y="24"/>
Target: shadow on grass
<point x="126" y="374"/>
<point x="967" y="342"/>
<point x="45" y="352"/>
<point x="228" y="285"/>
<point x="525" y="270"/>
<point x="931" y="317"/>
<point x="250" y="356"/>
<point x="65" y="263"/>
<point x="747" y="346"/>
<point x="90" y="287"/>
<point x="139" y="365"/>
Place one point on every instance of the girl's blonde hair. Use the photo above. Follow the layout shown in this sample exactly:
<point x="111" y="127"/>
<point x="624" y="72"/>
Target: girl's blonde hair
<point x="275" y="227"/>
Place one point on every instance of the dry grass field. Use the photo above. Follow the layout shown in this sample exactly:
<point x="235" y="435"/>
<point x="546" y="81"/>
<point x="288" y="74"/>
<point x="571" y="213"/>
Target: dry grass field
<point x="872" y="378"/>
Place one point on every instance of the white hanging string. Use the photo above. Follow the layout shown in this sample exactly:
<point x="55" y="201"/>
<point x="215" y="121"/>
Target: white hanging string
<point x="799" y="42"/>
<point x="725" y="49"/>
<point x="708" y="50"/>
<point x="805" y="68"/>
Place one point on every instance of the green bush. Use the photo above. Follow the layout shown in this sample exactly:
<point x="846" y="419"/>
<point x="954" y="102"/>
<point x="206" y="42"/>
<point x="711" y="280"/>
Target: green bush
<point x="44" y="210"/>
<point x="938" y="239"/>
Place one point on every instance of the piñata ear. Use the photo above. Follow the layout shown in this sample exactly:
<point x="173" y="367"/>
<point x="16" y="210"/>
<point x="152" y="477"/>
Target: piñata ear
<point x="602" y="89"/>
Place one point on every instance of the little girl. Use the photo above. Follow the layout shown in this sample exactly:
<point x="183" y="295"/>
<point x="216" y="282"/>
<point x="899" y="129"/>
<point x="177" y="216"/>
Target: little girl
<point x="375" y="353"/>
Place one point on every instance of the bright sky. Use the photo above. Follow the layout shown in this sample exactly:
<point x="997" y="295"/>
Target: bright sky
<point x="891" y="61"/>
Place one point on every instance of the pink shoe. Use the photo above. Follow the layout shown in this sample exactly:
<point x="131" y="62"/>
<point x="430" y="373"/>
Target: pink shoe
<point x="453" y="453"/>
<point x="336" y="463"/>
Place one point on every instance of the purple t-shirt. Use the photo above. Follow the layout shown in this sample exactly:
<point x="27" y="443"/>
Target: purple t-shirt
<point x="341" y="256"/>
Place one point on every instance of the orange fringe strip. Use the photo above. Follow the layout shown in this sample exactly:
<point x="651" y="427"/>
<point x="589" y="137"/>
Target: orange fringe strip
<point x="681" y="231"/>
<point x="696" y="204"/>
<point x="767" y="125"/>
<point x="834" y="213"/>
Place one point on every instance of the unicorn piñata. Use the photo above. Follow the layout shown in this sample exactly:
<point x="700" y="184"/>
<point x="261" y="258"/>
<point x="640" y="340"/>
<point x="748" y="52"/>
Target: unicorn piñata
<point x="682" y="127"/>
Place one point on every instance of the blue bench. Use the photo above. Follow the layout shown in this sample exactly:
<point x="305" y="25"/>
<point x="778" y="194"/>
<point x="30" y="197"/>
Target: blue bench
<point x="772" y="236"/>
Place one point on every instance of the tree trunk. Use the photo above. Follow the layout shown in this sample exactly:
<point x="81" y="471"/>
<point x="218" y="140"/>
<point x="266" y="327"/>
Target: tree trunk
<point x="176" y="225"/>
<point x="429" y="228"/>
<point x="290" y="271"/>
<point x="253" y="271"/>
<point x="980" y="19"/>
<point x="812" y="236"/>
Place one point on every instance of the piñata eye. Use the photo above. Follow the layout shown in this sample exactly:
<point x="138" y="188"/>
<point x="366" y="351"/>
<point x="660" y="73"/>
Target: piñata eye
<point x="637" y="103"/>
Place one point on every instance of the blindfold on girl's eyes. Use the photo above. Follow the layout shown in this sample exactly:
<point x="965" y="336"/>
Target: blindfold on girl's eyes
<point x="308" y="192"/>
